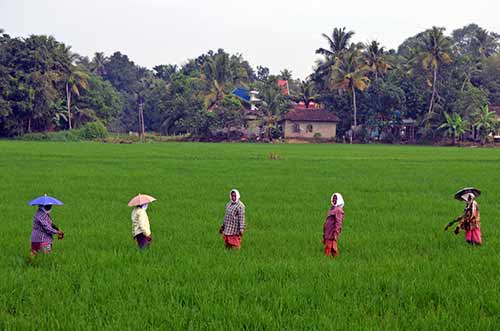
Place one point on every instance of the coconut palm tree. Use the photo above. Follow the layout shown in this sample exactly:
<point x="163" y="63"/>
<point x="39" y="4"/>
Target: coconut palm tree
<point x="98" y="64"/>
<point x="485" y="43"/>
<point x="216" y="72"/>
<point x="434" y="50"/>
<point x="350" y="74"/>
<point x="485" y="122"/>
<point x="272" y="107"/>
<point x="286" y="74"/>
<point x="76" y="81"/>
<point x="454" y="126"/>
<point x="339" y="42"/>
<point x="376" y="59"/>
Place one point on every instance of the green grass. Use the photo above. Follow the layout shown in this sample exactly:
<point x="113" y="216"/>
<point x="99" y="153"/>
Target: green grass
<point x="397" y="268"/>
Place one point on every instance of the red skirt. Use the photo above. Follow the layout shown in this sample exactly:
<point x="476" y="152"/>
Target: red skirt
<point x="474" y="236"/>
<point x="232" y="241"/>
<point x="331" y="248"/>
<point x="41" y="247"/>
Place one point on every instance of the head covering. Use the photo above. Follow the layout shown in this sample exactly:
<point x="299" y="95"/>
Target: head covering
<point x="144" y="206"/>
<point x="340" y="200"/>
<point x="466" y="196"/>
<point x="237" y="195"/>
<point x="46" y="208"/>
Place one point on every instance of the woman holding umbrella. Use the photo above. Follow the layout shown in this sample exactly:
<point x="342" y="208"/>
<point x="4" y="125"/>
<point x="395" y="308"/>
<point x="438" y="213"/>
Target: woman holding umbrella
<point x="141" y="230"/>
<point x="470" y="220"/>
<point x="43" y="228"/>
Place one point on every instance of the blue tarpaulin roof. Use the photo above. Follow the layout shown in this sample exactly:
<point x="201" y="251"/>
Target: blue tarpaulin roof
<point x="242" y="93"/>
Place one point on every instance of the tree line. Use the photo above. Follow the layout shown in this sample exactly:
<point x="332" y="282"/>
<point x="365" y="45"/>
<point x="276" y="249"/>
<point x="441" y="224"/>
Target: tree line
<point x="442" y="82"/>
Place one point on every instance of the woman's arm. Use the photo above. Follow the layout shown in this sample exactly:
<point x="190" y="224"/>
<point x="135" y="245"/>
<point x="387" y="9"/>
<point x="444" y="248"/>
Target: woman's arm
<point x="144" y="223"/>
<point x="45" y="222"/>
<point x="241" y="220"/>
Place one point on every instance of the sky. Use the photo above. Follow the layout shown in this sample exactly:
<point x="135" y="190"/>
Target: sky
<point x="274" y="33"/>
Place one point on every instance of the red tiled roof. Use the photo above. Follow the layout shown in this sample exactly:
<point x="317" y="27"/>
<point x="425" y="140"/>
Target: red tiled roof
<point x="311" y="115"/>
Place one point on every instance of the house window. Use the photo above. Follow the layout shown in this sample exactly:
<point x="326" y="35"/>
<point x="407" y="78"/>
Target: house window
<point x="309" y="128"/>
<point x="296" y="127"/>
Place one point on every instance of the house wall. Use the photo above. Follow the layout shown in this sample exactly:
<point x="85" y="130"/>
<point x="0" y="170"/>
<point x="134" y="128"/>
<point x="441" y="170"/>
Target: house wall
<point x="252" y="129"/>
<point x="326" y="129"/>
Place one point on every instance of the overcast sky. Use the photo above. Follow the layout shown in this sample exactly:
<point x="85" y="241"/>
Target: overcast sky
<point x="275" y="33"/>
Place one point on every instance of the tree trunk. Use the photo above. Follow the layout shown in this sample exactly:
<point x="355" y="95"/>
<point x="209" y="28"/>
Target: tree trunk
<point x="463" y="84"/>
<point x="433" y="90"/>
<point x="29" y="124"/>
<point x="141" y="122"/>
<point x="454" y="139"/>
<point x="68" y="104"/>
<point x="354" y="106"/>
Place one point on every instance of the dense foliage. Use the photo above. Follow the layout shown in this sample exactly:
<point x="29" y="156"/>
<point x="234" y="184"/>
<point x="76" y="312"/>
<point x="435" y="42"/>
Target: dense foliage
<point x="431" y="78"/>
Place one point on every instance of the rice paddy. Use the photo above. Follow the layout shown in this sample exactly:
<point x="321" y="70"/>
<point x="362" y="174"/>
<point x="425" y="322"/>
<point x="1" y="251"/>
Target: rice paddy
<point x="397" y="268"/>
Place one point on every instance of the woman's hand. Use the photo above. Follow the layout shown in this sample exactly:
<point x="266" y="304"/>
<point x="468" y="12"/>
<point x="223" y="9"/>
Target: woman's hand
<point x="60" y="235"/>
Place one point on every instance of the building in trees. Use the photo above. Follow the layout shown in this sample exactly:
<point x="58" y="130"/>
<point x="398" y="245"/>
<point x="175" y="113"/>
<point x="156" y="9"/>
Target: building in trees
<point x="309" y="123"/>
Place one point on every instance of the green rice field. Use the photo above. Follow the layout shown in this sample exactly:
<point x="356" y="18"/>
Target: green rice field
<point x="397" y="269"/>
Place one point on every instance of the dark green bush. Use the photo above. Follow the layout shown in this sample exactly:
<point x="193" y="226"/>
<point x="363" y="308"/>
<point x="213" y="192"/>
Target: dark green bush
<point x="90" y="131"/>
<point x="73" y="135"/>
<point x="93" y="130"/>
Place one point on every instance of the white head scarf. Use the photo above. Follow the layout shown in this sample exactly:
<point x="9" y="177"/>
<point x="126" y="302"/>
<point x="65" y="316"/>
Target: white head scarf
<point x="144" y="206"/>
<point x="237" y="195"/>
<point x="467" y="196"/>
<point x="340" y="200"/>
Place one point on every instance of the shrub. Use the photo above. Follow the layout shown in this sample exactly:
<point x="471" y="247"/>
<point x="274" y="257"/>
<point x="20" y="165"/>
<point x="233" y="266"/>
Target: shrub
<point x="93" y="130"/>
<point x="72" y="135"/>
<point x="90" y="131"/>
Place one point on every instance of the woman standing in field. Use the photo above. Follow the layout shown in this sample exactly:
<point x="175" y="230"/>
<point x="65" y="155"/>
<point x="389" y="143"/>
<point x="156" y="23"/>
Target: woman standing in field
<point x="43" y="231"/>
<point x="141" y="231"/>
<point x="233" y="227"/>
<point x="333" y="225"/>
<point x="470" y="220"/>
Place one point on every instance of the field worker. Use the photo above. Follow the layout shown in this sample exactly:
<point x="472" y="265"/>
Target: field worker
<point x="233" y="227"/>
<point x="141" y="230"/>
<point x="43" y="231"/>
<point x="333" y="225"/>
<point x="469" y="221"/>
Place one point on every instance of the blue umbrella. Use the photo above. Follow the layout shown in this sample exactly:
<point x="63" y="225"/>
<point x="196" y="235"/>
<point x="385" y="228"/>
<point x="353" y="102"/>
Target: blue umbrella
<point x="45" y="200"/>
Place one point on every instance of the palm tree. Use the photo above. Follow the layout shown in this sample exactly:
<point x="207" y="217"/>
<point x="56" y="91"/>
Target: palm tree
<point x="350" y="74"/>
<point x="337" y="43"/>
<point x="217" y="74"/>
<point x="454" y="125"/>
<point x="76" y="81"/>
<point x="434" y="50"/>
<point x="82" y="115"/>
<point x="98" y="64"/>
<point x="286" y="74"/>
<point x="485" y="122"/>
<point x="272" y="107"/>
<point x="307" y="93"/>
<point x="376" y="59"/>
